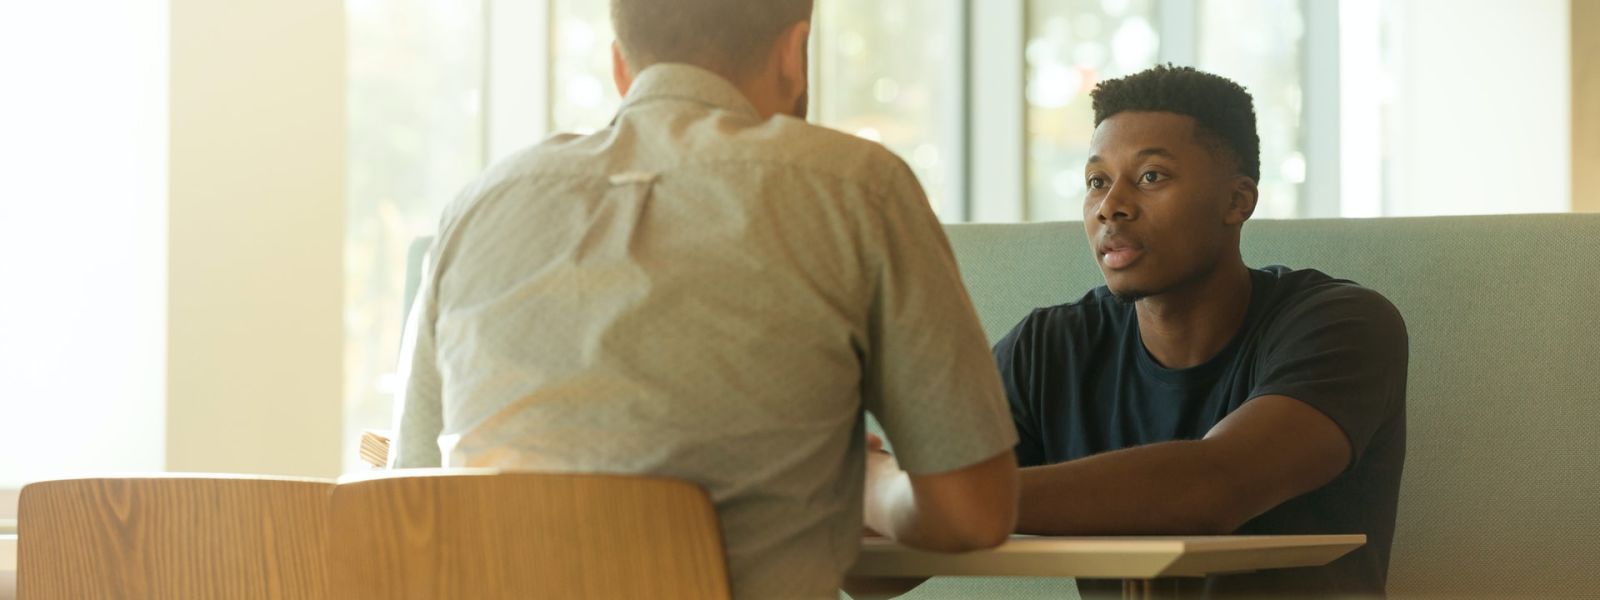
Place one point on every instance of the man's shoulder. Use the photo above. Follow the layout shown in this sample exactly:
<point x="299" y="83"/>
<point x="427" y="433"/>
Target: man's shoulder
<point x="820" y="151"/>
<point x="547" y="158"/>
<point x="720" y="141"/>
<point x="1309" y="292"/>
<point x="1306" y="301"/>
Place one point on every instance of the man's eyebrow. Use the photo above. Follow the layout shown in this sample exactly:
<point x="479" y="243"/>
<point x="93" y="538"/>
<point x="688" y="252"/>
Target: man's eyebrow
<point x="1145" y="153"/>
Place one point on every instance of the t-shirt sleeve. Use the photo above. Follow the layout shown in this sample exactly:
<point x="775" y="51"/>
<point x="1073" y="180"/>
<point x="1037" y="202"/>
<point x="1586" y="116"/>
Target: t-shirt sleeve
<point x="1344" y="351"/>
<point x="1015" y="355"/>
<point x="419" y="411"/>
<point x="929" y="378"/>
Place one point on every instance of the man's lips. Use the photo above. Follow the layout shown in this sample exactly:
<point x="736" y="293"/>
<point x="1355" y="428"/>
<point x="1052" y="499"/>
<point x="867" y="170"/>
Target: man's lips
<point x="1119" y="252"/>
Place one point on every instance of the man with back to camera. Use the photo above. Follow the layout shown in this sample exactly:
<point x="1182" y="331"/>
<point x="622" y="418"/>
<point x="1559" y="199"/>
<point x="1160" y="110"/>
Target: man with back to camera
<point x="712" y="290"/>
<point x="1192" y="395"/>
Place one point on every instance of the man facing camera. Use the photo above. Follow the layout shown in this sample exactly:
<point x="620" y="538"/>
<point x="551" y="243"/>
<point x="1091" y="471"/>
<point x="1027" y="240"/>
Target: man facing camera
<point x="712" y="290"/>
<point x="1193" y="395"/>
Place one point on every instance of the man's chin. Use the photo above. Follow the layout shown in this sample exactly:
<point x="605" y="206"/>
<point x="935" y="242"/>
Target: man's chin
<point x="1124" y="291"/>
<point x="1127" y="294"/>
<point x="1129" y="297"/>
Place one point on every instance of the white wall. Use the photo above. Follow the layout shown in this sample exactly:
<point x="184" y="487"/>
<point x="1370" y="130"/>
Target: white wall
<point x="256" y="332"/>
<point x="83" y="158"/>
<point x="1482" y="120"/>
<point x="172" y="185"/>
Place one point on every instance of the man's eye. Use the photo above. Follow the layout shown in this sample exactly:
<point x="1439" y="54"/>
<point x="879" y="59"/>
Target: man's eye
<point x="1151" y="177"/>
<point x="1096" y="183"/>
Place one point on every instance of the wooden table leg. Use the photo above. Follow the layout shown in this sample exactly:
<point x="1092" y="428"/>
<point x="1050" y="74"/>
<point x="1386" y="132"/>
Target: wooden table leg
<point x="1136" y="589"/>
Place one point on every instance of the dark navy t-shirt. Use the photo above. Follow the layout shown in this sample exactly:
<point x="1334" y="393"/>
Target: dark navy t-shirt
<point x="1081" y="383"/>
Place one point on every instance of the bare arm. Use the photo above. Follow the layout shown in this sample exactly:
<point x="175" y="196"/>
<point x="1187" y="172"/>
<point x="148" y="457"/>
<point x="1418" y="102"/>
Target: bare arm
<point x="1271" y="450"/>
<point x="971" y="508"/>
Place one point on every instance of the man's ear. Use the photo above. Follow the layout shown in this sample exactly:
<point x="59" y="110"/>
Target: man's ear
<point x="619" y="70"/>
<point x="794" y="64"/>
<point x="1242" y="200"/>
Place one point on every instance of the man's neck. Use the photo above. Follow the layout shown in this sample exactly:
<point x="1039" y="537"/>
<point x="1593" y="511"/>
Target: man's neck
<point x="1187" y="327"/>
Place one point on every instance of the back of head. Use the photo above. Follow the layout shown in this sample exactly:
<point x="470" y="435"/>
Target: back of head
<point x="729" y="37"/>
<point x="1222" y="110"/>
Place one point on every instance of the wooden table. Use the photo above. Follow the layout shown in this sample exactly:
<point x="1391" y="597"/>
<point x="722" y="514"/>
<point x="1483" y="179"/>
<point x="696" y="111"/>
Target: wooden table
<point x="1137" y="561"/>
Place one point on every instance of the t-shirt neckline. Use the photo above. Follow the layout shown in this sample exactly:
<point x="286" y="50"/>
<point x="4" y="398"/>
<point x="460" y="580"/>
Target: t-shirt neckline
<point x="1204" y="373"/>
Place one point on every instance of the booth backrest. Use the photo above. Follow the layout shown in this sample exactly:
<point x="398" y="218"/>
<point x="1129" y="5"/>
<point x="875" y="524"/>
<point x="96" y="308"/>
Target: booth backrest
<point x="1501" y="495"/>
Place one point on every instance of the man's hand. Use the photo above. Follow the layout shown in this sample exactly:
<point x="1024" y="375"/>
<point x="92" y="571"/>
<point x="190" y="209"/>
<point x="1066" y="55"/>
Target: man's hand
<point x="880" y="464"/>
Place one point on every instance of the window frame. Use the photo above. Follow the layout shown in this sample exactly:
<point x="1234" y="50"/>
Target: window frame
<point x="988" y="186"/>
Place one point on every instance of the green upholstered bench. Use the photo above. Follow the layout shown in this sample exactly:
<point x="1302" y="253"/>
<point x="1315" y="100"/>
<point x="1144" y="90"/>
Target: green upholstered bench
<point x="1501" y="496"/>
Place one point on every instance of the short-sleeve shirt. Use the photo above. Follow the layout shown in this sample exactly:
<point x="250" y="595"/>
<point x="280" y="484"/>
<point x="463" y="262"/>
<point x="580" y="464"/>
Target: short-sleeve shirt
<point x="1081" y="382"/>
<point x="699" y="293"/>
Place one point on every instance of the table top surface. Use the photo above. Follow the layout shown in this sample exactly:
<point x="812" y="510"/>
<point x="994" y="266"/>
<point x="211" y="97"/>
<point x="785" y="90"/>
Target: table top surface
<point x="1089" y="557"/>
<point x="1110" y="557"/>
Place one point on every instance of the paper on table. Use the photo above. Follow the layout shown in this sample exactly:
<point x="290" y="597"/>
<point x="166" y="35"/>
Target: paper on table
<point x="375" y="448"/>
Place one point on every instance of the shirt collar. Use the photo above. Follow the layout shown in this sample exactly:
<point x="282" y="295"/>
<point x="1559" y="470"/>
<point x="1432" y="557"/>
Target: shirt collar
<point x="673" y="81"/>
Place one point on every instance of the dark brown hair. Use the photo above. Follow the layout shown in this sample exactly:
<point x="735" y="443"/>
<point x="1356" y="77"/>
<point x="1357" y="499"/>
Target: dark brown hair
<point x="730" y="37"/>
<point x="1223" y="110"/>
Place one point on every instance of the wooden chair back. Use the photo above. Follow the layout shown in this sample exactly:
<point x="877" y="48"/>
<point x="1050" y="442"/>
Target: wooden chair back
<point x="190" y="537"/>
<point x="485" y="535"/>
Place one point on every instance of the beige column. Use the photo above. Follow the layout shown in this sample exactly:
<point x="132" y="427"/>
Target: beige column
<point x="1586" y="105"/>
<point x="255" y="334"/>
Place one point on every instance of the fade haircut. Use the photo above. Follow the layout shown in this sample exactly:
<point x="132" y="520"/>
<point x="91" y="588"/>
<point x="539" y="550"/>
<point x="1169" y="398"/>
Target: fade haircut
<point x="729" y="37"/>
<point x="1223" y="112"/>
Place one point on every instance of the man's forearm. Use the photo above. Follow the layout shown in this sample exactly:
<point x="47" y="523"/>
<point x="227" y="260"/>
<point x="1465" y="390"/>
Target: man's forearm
<point x="893" y="512"/>
<point x="1173" y="488"/>
<point x="959" y="511"/>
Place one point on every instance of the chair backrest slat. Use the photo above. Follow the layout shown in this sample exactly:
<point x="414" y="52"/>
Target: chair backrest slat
<point x="199" y="538"/>
<point x="488" y="536"/>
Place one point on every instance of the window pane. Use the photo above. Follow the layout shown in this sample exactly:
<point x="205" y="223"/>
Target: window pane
<point x="886" y="70"/>
<point x="1267" y="63"/>
<point x="416" y="137"/>
<point x="1072" y="46"/>
<point x="890" y="71"/>
<point x="84" y="144"/>
<point x="584" y="99"/>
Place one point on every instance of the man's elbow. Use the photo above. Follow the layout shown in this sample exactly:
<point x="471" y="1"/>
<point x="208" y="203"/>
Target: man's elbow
<point x="989" y="521"/>
<point x="971" y="532"/>
<point x="992" y="533"/>
<point x="1223" y="522"/>
<point x="1227" y="511"/>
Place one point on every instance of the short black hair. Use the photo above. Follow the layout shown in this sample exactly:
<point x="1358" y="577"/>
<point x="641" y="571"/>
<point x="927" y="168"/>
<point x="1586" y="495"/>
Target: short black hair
<point x="1221" y="109"/>
<point x="729" y="37"/>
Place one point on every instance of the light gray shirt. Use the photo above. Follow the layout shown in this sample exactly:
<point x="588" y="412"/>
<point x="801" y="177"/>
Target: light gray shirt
<point x="700" y="294"/>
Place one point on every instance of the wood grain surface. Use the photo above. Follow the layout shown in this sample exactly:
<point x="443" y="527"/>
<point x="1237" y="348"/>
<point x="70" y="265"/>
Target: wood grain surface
<point x="195" y="538"/>
<point x="1109" y="557"/>
<point x="429" y="535"/>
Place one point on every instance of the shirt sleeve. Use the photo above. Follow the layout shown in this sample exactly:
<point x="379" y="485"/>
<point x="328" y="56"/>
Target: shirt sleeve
<point x="1344" y="351"/>
<point x="419" y="409"/>
<point x="928" y="375"/>
<point x="1015" y="355"/>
